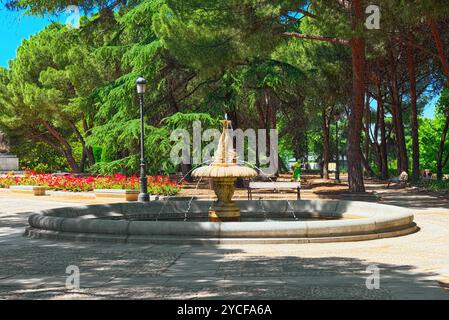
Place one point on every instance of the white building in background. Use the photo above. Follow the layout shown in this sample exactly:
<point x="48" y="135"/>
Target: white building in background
<point x="316" y="166"/>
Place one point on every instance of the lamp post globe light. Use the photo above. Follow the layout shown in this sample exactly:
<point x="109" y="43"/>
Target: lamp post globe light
<point x="143" y="196"/>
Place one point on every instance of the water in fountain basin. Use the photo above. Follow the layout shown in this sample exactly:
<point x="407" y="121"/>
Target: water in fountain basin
<point x="191" y="199"/>
<point x="254" y="217"/>
<point x="271" y="180"/>
<point x="293" y="210"/>
<point x="263" y="208"/>
<point x="189" y="204"/>
<point x="168" y="198"/>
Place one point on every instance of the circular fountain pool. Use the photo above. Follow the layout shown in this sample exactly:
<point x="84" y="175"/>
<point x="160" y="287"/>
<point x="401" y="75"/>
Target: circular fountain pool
<point x="183" y="222"/>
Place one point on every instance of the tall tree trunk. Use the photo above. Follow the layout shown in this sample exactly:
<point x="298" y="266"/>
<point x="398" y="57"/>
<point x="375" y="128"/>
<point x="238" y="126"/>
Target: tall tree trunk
<point x="83" y="160"/>
<point x="337" y="153"/>
<point x="326" y="144"/>
<point x="438" y="44"/>
<point x="365" y="157"/>
<point x="383" y="134"/>
<point x="375" y="143"/>
<point x="396" y="108"/>
<point x="366" y="165"/>
<point x="89" y="150"/>
<point x="367" y="126"/>
<point x="440" y="162"/>
<point x="399" y="128"/>
<point x="445" y="67"/>
<point x="414" y="111"/>
<point x="83" y="143"/>
<point x="266" y="108"/>
<point x="272" y="106"/>
<point x="282" y="166"/>
<point x="66" y="148"/>
<point x="355" y="171"/>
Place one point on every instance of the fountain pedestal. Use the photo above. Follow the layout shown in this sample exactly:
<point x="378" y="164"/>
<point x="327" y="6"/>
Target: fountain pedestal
<point x="224" y="209"/>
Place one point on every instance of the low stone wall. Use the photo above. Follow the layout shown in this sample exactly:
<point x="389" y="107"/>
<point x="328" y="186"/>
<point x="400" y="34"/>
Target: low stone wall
<point x="128" y="195"/>
<point x="97" y="193"/>
<point x="357" y="221"/>
<point x="36" y="190"/>
<point x="9" y="162"/>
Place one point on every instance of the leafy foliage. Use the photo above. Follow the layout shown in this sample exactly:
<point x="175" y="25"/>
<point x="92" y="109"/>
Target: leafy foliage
<point x="69" y="97"/>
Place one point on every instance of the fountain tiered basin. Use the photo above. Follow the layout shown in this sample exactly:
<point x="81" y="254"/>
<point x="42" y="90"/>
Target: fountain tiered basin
<point x="181" y="222"/>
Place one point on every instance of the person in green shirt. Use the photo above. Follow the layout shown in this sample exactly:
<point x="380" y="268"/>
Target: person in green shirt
<point x="296" y="167"/>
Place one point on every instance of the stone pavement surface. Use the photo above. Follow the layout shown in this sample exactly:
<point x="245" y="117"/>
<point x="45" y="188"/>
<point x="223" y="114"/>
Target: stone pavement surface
<point x="411" y="267"/>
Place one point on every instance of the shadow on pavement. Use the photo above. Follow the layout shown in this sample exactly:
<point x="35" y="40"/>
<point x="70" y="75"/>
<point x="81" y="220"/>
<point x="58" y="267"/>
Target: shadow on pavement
<point x="37" y="271"/>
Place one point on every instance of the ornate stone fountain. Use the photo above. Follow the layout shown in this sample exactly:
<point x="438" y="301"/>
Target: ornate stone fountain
<point x="281" y="221"/>
<point x="224" y="171"/>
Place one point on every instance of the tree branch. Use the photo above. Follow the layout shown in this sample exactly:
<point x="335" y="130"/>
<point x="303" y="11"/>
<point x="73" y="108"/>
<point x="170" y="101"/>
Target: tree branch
<point x="307" y="13"/>
<point x="317" y="37"/>
<point x="441" y="54"/>
<point x="418" y="46"/>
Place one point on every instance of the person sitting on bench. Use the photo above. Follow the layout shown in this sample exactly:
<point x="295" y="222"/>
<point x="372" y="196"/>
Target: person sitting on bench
<point x="403" y="178"/>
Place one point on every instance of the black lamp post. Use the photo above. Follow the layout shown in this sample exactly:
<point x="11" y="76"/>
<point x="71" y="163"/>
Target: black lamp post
<point x="143" y="196"/>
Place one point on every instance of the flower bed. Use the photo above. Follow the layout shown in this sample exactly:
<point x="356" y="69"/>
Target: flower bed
<point x="157" y="185"/>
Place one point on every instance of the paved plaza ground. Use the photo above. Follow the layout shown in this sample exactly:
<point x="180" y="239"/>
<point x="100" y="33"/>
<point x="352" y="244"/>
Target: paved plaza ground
<point x="411" y="267"/>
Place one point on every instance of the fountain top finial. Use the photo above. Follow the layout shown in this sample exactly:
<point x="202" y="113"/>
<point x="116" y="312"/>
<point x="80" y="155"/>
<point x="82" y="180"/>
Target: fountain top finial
<point x="225" y="161"/>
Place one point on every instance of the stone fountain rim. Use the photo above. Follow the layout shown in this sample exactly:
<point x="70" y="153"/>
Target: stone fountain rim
<point x="82" y="223"/>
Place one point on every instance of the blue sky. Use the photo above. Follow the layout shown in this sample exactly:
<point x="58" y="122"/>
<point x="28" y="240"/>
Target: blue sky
<point x="16" y="26"/>
<point x="429" y="110"/>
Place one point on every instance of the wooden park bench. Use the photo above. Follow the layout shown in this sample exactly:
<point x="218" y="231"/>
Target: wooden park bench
<point x="278" y="185"/>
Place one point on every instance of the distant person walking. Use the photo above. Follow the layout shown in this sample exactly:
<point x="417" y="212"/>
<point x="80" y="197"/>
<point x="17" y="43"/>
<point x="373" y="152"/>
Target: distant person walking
<point x="296" y="168"/>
